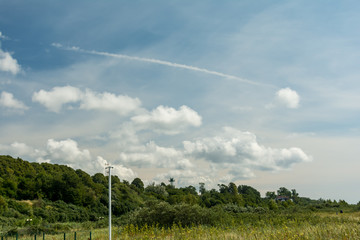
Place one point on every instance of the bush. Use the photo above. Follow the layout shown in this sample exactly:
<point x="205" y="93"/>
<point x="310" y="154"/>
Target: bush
<point x="233" y="208"/>
<point x="3" y="205"/>
<point x="21" y="207"/>
<point x="165" y="215"/>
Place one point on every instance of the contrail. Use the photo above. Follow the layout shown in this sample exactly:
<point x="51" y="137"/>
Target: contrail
<point x="161" y="62"/>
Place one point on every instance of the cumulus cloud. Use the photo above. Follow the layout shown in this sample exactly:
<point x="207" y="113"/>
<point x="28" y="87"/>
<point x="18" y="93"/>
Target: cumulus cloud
<point x="288" y="98"/>
<point x="54" y="100"/>
<point x="233" y="153"/>
<point x="168" y="120"/>
<point x="118" y="169"/>
<point x="7" y="62"/>
<point x="187" y="177"/>
<point x="152" y="155"/>
<point x="236" y="173"/>
<point x="235" y="149"/>
<point x="120" y="104"/>
<point x="18" y="149"/>
<point x="125" y="137"/>
<point x="7" y="100"/>
<point x="65" y="152"/>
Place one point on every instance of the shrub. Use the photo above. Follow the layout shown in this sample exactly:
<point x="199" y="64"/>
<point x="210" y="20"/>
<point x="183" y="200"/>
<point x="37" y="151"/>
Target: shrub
<point x="3" y="205"/>
<point x="21" y="207"/>
<point x="165" y="215"/>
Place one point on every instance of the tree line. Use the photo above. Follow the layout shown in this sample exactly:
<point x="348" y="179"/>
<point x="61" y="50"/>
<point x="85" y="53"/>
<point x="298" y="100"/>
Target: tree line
<point x="54" y="193"/>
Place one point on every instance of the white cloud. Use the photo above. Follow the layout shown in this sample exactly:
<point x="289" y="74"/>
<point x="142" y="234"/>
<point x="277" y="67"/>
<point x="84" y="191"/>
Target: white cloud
<point x="8" y="63"/>
<point x="235" y="149"/>
<point x="152" y="155"/>
<point x="118" y="169"/>
<point x="7" y="100"/>
<point x="186" y="178"/>
<point x="168" y="120"/>
<point x="60" y="152"/>
<point x="18" y="149"/>
<point x="67" y="151"/>
<point x="120" y="104"/>
<point x="288" y="98"/>
<point x="237" y="173"/>
<point x="54" y="100"/>
<point x="125" y="137"/>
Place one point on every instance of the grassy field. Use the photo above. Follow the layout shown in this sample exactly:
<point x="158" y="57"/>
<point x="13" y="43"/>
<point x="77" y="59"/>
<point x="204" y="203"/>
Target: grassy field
<point x="295" y="226"/>
<point x="318" y="226"/>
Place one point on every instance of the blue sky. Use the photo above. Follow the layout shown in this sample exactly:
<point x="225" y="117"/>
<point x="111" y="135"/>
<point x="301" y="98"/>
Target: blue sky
<point x="261" y="93"/>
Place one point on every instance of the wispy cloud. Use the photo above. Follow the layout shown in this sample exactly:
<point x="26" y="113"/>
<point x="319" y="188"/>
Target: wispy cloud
<point x="161" y="62"/>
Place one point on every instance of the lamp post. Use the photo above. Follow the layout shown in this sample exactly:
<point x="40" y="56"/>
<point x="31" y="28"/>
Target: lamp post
<point x="109" y="167"/>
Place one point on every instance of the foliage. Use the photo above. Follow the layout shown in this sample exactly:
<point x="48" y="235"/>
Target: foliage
<point x="251" y="196"/>
<point x="255" y="226"/>
<point x="47" y="197"/>
<point x="165" y="215"/>
<point x="138" y="184"/>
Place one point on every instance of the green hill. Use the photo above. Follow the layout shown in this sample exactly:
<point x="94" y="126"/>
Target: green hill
<point x="40" y="196"/>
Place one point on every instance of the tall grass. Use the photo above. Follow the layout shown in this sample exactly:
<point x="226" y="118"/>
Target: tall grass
<point x="270" y="226"/>
<point x="309" y="226"/>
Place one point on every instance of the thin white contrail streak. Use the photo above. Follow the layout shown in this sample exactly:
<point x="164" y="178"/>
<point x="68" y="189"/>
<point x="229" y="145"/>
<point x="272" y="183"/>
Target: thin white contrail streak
<point x="161" y="62"/>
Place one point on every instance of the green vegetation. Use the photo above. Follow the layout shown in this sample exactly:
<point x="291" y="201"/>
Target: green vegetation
<point x="50" y="198"/>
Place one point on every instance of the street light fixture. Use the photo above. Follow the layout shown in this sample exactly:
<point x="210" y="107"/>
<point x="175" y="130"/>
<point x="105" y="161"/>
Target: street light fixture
<point x="109" y="167"/>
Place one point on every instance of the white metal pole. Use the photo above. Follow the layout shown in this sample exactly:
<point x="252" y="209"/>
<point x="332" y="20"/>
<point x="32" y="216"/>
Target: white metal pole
<point x="109" y="167"/>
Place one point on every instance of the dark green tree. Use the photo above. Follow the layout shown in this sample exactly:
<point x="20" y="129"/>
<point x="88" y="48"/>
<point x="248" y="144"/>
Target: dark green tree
<point x="138" y="184"/>
<point x="284" y="192"/>
<point x="232" y="189"/>
<point x="270" y="195"/>
<point x="251" y="196"/>
<point x="202" y="189"/>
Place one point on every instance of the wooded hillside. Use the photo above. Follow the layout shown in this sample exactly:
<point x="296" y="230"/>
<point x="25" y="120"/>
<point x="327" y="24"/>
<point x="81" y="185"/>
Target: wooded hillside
<point x="51" y="193"/>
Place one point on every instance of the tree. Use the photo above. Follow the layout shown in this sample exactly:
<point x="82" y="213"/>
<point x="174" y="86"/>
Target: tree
<point x="99" y="178"/>
<point x="284" y="192"/>
<point x="138" y="184"/>
<point x="294" y="196"/>
<point x="124" y="199"/>
<point x="270" y="195"/>
<point x="272" y="204"/>
<point x="232" y="189"/>
<point x="223" y="188"/>
<point x="190" y="189"/>
<point x="251" y="196"/>
<point x="202" y="189"/>
<point x="3" y="204"/>
<point x="157" y="190"/>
